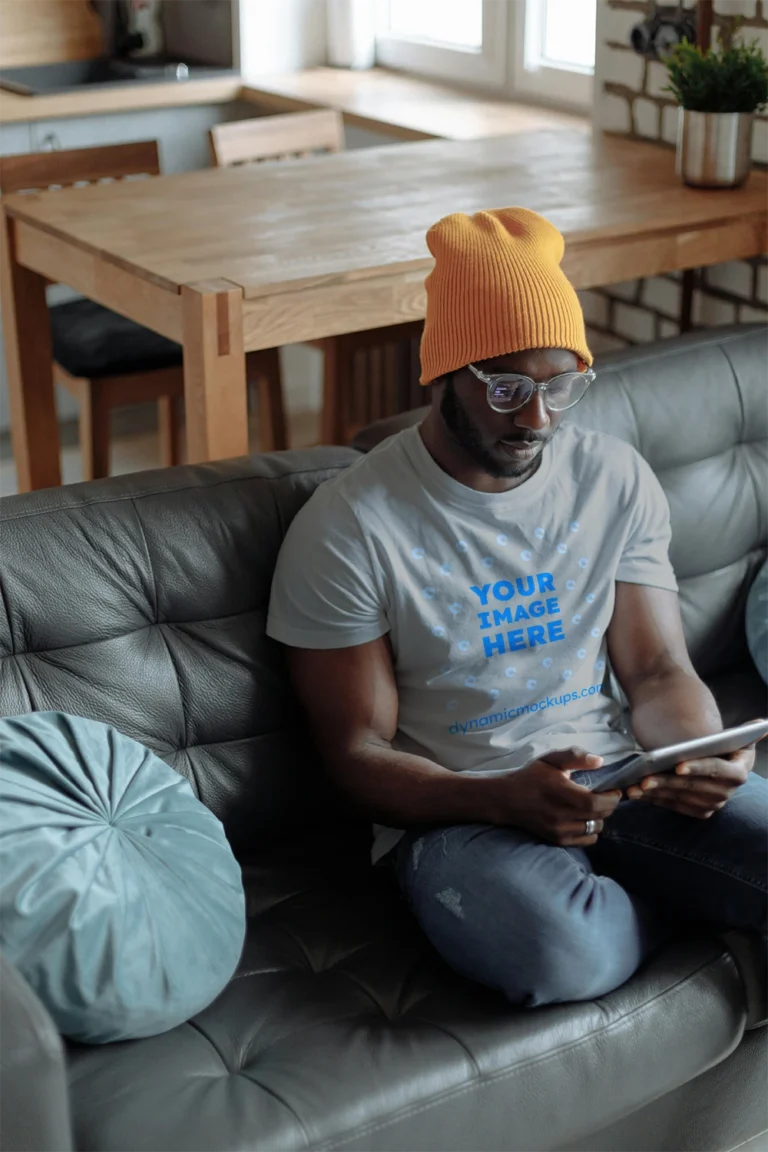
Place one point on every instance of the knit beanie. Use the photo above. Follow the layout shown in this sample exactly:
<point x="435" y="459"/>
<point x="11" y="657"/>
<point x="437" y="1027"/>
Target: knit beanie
<point x="497" y="287"/>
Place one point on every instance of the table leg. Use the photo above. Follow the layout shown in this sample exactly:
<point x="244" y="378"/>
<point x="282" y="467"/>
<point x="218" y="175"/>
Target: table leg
<point x="214" y="371"/>
<point x="686" y="305"/>
<point x="29" y="360"/>
<point x="337" y="387"/>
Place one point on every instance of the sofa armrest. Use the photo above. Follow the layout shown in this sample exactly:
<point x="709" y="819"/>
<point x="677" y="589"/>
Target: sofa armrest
<point x="750" y="951"/>
<point x="34" y="1116"/>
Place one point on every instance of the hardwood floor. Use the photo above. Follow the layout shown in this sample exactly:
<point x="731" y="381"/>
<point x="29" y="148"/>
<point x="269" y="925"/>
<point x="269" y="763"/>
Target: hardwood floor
<point x="135" y="447"/>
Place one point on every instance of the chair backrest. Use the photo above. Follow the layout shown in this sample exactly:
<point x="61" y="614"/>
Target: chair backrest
<point x="61" y="169"/>
<point x="277" y="137"/>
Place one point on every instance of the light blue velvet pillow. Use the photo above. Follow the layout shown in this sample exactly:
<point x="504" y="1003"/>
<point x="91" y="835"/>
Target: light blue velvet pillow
<point x="757" y="621"/>
<point x="120" y="899"/>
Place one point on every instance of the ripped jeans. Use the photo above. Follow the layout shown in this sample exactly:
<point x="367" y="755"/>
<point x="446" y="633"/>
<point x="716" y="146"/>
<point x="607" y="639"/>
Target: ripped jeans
<point x="544" y="924"/>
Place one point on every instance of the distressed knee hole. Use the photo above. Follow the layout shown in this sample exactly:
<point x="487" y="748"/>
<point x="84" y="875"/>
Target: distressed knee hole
<point x="451" y="899"/>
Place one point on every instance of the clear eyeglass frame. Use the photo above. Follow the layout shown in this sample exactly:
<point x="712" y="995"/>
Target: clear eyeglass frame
<point x="498" y="380"/>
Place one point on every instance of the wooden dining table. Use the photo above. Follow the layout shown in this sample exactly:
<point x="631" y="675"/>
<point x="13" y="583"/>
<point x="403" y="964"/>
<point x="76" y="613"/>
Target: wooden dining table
<point x="230" y="261"/>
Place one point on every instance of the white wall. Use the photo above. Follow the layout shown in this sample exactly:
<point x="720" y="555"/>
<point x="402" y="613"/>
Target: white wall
<point x="281" y="36"/>
<point x="630" y="99"/>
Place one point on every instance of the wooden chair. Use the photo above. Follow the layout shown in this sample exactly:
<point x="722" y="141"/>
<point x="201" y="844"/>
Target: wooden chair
<point x="278" y="138"/>
<point x="103" y="359"/>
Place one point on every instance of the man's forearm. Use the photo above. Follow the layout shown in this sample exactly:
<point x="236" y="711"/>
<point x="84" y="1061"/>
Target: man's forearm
<point x="673" y="707"/>
<point x="400" y="789"/>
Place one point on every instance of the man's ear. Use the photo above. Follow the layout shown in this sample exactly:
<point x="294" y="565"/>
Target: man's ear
<point x="436" y="389"/>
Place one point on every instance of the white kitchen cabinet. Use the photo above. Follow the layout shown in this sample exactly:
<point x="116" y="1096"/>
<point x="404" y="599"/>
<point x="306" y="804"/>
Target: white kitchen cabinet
<point x="182" y="133"/>
<point x="367" y="137"/>
<point x="15" y="138"/>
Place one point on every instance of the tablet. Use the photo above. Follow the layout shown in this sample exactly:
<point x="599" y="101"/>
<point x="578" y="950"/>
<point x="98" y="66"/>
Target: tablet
<point x="666" y="759"/>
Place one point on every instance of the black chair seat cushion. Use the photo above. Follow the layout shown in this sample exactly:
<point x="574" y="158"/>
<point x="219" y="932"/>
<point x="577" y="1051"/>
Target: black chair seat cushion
<point x="91" y="341"/>
<point x="343" y="1030"/>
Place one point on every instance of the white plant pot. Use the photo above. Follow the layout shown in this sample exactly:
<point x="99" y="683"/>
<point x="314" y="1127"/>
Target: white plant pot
<point x="351" y="33"/>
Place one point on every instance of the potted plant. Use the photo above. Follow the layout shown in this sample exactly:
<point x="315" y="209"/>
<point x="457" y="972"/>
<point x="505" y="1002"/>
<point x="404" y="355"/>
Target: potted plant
<point x="718" y="93"/>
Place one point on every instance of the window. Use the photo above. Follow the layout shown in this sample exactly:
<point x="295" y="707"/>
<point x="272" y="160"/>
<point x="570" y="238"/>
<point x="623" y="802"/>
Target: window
<point x="461" y="22"/>
<point x="541" y="49"/>
<point x="554" y="49"/>
<point x="462" y="40"/>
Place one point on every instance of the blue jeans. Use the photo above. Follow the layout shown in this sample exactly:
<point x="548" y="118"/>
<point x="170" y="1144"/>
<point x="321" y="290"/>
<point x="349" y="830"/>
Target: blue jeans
<point x="544" y="924"/>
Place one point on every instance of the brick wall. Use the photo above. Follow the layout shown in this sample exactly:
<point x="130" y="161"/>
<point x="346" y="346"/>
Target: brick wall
<point x="629" y="99"/>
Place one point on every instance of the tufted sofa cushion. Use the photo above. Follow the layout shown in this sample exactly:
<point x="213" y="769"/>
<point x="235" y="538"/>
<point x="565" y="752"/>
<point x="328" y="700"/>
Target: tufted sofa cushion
<point x="343" y="1030"/>
<point x="141" y="602"/>
<point x="696" y="409"/>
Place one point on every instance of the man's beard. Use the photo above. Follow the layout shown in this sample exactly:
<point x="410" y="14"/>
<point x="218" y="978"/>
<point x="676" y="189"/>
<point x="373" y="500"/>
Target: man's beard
<point x="466" y="433"/>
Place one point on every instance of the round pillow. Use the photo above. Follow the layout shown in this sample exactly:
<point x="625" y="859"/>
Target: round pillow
<point x="121" y="901"/>
<point x="757" y="621"/>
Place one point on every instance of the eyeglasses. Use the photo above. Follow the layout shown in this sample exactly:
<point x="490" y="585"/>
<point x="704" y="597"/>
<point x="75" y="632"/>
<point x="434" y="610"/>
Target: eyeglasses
<point x="507" y="392"/>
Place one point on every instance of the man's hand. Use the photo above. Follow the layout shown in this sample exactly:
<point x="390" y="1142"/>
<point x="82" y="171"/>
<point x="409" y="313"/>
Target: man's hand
<point x="543" y="800"/>
<point x="697" y="788"/>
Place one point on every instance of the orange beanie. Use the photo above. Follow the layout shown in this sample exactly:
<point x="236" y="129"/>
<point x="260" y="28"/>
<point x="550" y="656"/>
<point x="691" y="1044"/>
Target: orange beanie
<point x="497" y="287"/>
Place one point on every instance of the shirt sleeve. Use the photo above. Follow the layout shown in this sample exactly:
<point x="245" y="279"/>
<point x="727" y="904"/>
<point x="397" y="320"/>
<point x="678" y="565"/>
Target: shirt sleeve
<point x="326" y="591"/>
<point x="645" y="557"/>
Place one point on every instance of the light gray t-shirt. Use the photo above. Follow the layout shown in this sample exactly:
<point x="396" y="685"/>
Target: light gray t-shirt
<point x="496" y="604"/>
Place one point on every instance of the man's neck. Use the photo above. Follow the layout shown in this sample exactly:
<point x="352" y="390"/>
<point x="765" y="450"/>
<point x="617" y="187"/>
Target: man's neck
<point x="457" y="462"/>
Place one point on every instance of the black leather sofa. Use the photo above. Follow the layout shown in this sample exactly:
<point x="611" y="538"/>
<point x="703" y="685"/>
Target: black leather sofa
<point x="141" y="601"/>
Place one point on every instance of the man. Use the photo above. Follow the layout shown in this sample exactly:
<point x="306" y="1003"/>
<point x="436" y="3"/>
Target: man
<point x="450" y="603"/>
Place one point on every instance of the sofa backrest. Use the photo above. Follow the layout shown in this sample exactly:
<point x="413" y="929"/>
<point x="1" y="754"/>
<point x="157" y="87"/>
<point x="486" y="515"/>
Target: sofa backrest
<point x="696" y="408"/>
<point x="141" y="601"/>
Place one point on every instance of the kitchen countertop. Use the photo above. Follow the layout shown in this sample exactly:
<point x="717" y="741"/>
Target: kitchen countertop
<point x="406" y="106"/>
<point x="134" y="95"/>
<point x="401" y="106"/>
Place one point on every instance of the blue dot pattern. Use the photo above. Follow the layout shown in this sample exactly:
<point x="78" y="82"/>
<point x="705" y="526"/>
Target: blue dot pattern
<point x="469" y="671"/>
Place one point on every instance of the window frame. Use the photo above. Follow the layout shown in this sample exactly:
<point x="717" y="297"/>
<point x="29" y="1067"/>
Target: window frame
<point x="550" y="83"/>
<point x="483" y="67"/>
<point x="514" y="33"/>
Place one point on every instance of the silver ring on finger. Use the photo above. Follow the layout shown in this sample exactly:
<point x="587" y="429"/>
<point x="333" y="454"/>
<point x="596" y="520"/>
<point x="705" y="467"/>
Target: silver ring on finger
<point x="590" y="827"/>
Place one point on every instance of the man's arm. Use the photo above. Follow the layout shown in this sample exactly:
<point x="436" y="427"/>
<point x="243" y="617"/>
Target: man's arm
<point x="668" y="702"/>
<point x="350" y="696"/>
